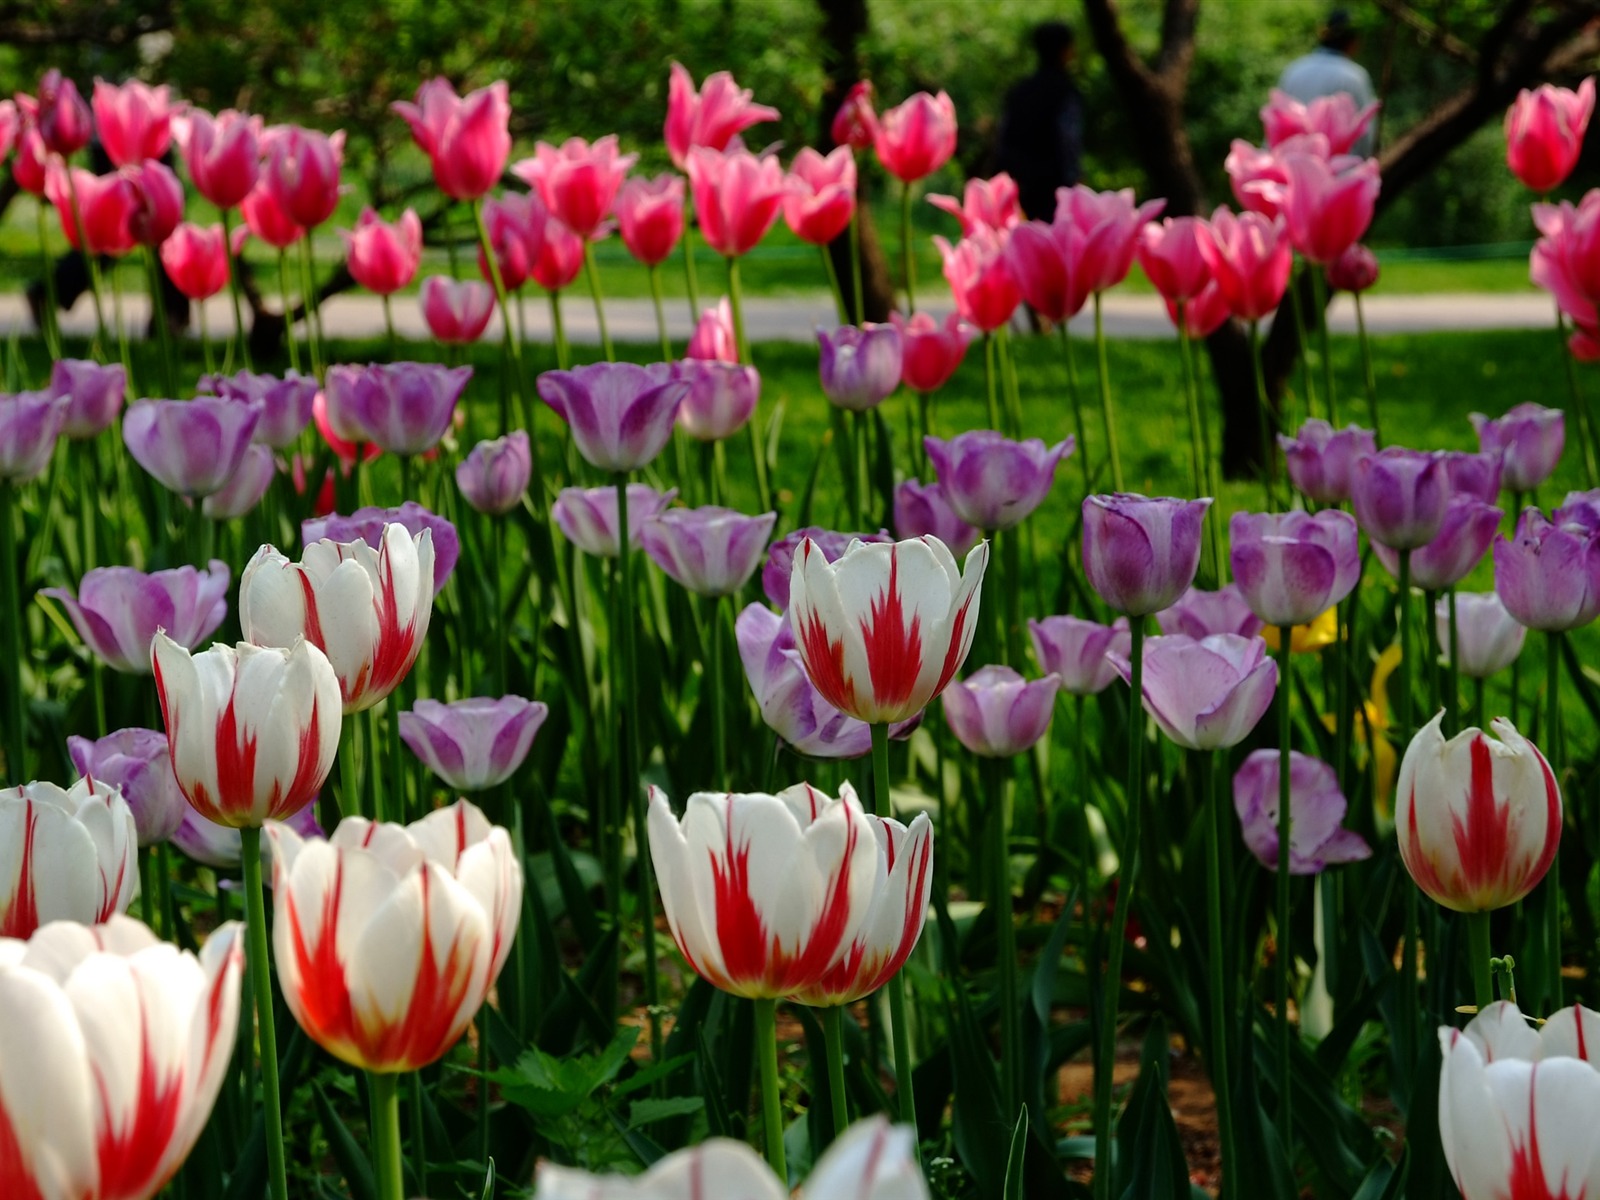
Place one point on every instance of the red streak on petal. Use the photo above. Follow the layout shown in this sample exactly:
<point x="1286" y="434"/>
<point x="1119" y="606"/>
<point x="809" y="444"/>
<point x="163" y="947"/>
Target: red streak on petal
<point x="131" y="1157"/>
<point x="824" y="662"/>
<point x="323" y="992"/>
<point x="1482" y="839"/>
<point x="16" y="1177"/>
<point x="236" y="763"/>
<point x="21" y="916"/>
<point x="1527" y="1180"/>
<point x="894" y="649"/>
<point x="952" y="654"/>
<point x="308" y="774"/>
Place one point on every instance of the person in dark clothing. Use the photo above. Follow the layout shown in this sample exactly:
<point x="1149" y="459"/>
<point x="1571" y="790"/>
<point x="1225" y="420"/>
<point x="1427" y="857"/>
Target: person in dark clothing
<point x="1041" y="129"/>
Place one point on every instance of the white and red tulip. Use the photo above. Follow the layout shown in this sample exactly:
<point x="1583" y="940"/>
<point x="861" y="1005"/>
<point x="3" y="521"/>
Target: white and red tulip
<point x="66" y="854"/>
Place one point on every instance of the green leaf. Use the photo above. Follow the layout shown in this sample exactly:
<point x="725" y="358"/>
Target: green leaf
<point x="353" y="1162"/>
<point x="488" y="1182"/>
<point x="647" y="1112"/>
<point x="1150" y="1159"/>
<point x="1019" y="1146"/>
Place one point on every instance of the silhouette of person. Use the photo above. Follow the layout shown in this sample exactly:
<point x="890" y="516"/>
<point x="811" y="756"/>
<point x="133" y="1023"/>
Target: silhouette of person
<point x="1331" y="69"/>
<point x="1041" y="127"/>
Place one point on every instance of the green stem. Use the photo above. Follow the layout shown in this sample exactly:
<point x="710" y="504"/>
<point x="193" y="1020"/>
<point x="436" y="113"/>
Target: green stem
<point x="16" y="745"/>
<point x="1011" y="628"/>
<point x="158" y="309"/>
<point x="908" y="267"/>
<point x="1319" y="292"/>
<point x="1284" y="959"/>
<point x="989" y="381"/>
<point x="1478" y="954"/>
<point x="233" y="289"/>
<point x="205" y="338"/>
<point x="288" y="312"/>
<point x="1269" y="450"/>
<point x="863" y="467"/>
<point x="123" y="350"/>
<point x="838" y="1097"/>
<point x="1128" y="867"/>
<point x="49" y="326"/>
<point x="834" y="287"/>
<point x="92" y="261"/>
<point x="1408" y="959"/>
<point x="1221" y="1017"/>
<point x="1454" y="671"/>
<point x="1008" y="381"/>
<point x="661" y="314"/>
<point x="1552" y="880"/>
<point x="498" y="283"/>
<point x="757" y="456"/>
<point x="1368" y="380"/>
<point x="689" y="278"/>
<point x="1477" y="702"/>
<point x="1300" y="331"/>
<point x="1005" y="932"/>
<point x="1077" y="405"/>
<point x="766" y="1034"/>
<point x="308" y="297"/>
<point x="419" y="1131"/>
<point x="719" y="713"/>
<point x="855" y="263"/>
<point x="1588" y="435"/>
<point x="559" y="331"/>
<point x="261" y="978"/>
<point x="593" y="276"/>
<point x="905" y="1098"/>
<point x="385" y="1092"/>
<point x="924" y="430"/>
<point x="1105" y="403"/>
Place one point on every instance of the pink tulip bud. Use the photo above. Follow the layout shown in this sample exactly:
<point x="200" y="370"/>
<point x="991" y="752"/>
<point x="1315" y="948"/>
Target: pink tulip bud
<point x="59" y="113"/>
<point x="222" y="153"/>
<point x="980" y="279"/>
<point x="995" y="713"/>
<point x="711" y="551"/>
<point x="559" y="256"/>
<point x="822" y="195"/>
<point x="578" y="182"/>
<point x="265" y="218"/>
<point x="11" y="126"/>
<point x="1353" y="271"/>
<point x="1566" y="259"/>
<point x="588" y="516"/>
<point x="1044" y="260"/>
<point x="930" y="352"/>
<point x="1528" y="440"/>
<point x="991" y="204"/>
<point x="1321" y="461"/>
<point x="1141" y="553"/>
<point x="713" y="335"/>
<point x="383" y="256"/>
<point x="992" y="482"/>
<point x="1250" y="259"/>
<point x="494" y="477"/>
<point x="302" y="172"/>
<point x="650" y="217"/>
<point x="925" y="509"/>
<point x="711" y="117"/>
<point x="1171" y="257"/>
<point x="196" y="259"/>
<point x="1335" y="117"/>
<point x="856" y="123"/>
<point x="134" y="120"/>
<point x="30" y="422"/>
<point x="1329" y="207"/>
<point x="1202" y="316"/>
<point x="1544" y="133"/>
<point x="192" y="447"/>
<point x="158" y="202"/>
<point x="737" y="197"/>
<point x="467" y="138"/>
<point x="28" y="168"/>
<point x="457" y="311"/>
<point x="1108" y="227"/>
<point x="720" y="398"/>
<point x="100" y="207"/>
<point x="917" y="137"/>
<point x="94" y="395"/>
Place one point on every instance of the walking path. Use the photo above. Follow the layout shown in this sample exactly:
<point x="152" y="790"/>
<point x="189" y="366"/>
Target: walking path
<point x="797" y="318"/>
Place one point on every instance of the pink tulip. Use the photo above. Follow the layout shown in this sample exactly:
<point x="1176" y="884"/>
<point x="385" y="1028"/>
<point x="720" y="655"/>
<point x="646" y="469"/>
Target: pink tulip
<point x="457" y="312"/>
<point x="1353" y="271"/>
<point x="650" y="217"/>
<point x="302" y="172"/>
<point x="980" y="279"/>
<point x="28" y="167"/>
<point x="105" y="206"/>
<point x="1170" y="254"/>
<point x="515" y="224"/>
<point x="737" y="197"/>
<point x="930" y="352"/>
<point x="984" y="204"/>
<point x="713" y="335"/>
<point x="467" y="137"/>
<point x="559" y="257"/>
<point x="1250" y="259"/>
<point x="1042" y="259"/>
<point x="266" y="219"/>
<point x="1544" y="133"/>
<point x="710" y="117"/>
<point x="59" y="113"/>
<point x="578" y="182"/>
<point x="196" y="259"/>
<point x="222" y="154"/>
<point x="822" y="195"/>
<point x="1335" y="117"/>
<point x="383" y="256"/>
<point x="1255" y="176"/>
<point x="917" y="137"/>
<point x="1566" y="259"/>
<point x="11" y="126"/>
<point x="158" y="202"/>
<point x="1328" y="207"/>
<point x="135" y="120"/>
<point x="1203" y="315"/>
<point x="1102" y="232"/>
<point x="856" y="123"/>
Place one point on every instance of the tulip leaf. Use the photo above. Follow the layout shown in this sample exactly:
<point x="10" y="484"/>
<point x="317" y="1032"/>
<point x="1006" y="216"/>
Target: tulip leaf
<point x="1150" y="1160"/>
<point x="1019" y="1144"/>
<point x="354" y="1164"/>
<point x="488" y="1181"/>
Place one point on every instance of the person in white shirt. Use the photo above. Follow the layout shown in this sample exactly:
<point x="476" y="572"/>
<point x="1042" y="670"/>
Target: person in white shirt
<point x="1330" y="69"/>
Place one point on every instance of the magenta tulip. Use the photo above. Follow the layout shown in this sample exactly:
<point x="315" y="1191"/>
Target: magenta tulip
<point x="118" y="610"/>
<point x="157" y="205"/>
<point x="1107" y="226"/>
<point x="917" y="137"/>
<point x="1317" y="839"/>
<point x="588" y="516"/>
<point x="383" y="256"/>
<point x="930" y="352"/>
<point x="1548" y="575"/>
<point x="737" y="197"/>
<point x="222" y="154"/>
<point x="991" y="481"/>
<point x="467" y="138"/>
<point x="1355" y="270"/>
<point x="991" y="204"/>
<point x="1249" y="257"/>
<point x="60" y="114"/>
<point x="980" y="279"/>
<point x="1169" y="252"/>
<point x="196" y="260"/>
<point x="1294" y="566"/>
<point x="578" y="182"/>
<point x="134" y="120"/>
<point x="1528" y="441"/>
<point x="822" y="195"/>
<point x="1544" y="133"/>
<point x="1206" y="694"/>
<point x="710" y="117"/>
<point x="713" y="335"/>
<point x="494" y="477"/>
<point x="1043" y="259"/>
<point x="1328" y="208"/>
<point x="1202" y="316"/>
<point x="457" y="310"/>
<point x="859" y="365"/>
<point x="96" y="211"/>
<point x="266" y="219"/>
<point x="1321" y="461"/>
<point x="621" y="415"/>
<point x="922" y="508"/>
<point x="1400" y="496"/>
<point x="1078" y="652"/>
<point x="856" y="123"/>
<point x="1139" y="553"/>
<point x="192" y="447"/>
<point x="1335" y="117"/>
<point x="302" y="172"/>
<point x="712" y="551"/>
<point x="650" y="217"/>
<point x="995" y="713"/>
<point x="1463" y="539"/>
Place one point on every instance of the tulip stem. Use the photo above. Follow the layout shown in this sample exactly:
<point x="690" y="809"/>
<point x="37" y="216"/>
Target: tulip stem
<point x="719" y="714"/>
<point x="1128" y="873"/>
<point x="92" y="261"/>
<point x="233" y="291"/>
<point x="288" y="312"/>
<point x="559" y="331"/>
<point x="1367" y="378"/>
<point x="1284" y="959"/>
<point x="1587" y="434"/>
<point x="833" y="284"/>
<point x="838" y="1097"/>
<point x="1453" y="672"/>
<point x="689" y="279"/>
<point x="592" y="273"/>
<point x="1200" y="435"/>
<point x="388" y="327"/>
<point x="48" y="325"/>
<point x="855" y="262"/>
<point x="989" y="380"/>
<point x="1269" y="453"/>
<point x="1479" y="953"/>
<point x="924" y="431"/>
<point x="1005" y="930"/>
<point x="205" y="338"/>
<point x="908" y="266"/>
<point x="757" y="456"/>
<point x="766" y="1033"/>
<point x="1221" y="1014"/>
<point x="661" y="314"/>
<point x="16" y="744"/>
<point x="308" y="298"/>
<point x="158" y="318"/>
<point x="1300" y="337"/>
<point x="385" y="1093"/>
<point x="497" y="281"/>
<point x="1105" y="404"/>
<point x="261" y="979"/>
<point x="1319" y="293"/>
<point x="1077" y="405"/>
<point x="905" y="1097"/>
<point x="1008" y="382"/>
<point x="1408" y="959"/>
<point x="1552" y="879"/>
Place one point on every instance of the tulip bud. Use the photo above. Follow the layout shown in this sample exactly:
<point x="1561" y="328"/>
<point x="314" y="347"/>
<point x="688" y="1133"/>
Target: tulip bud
<point x="992" y="482"/>
<point x="1199" y="614"/>
<point x="577" y="182"/>
<point x="860" y="365"/>
<point x="473" y="744"/>
<point x="995" y="713"/>
<point x="1140" y="554"/>
<point x="66" y="854"/>
<point x="917" y="137"/>
<point x="1488" y="638"/>
<point x="137" y="762"/>
<point x="467" y="138"/>
<point x="1078" y="652"/>
<point x="1293" y="566"/>
<point x="588" y="516"/>
<point x="494" y="477"/>
<point x="712" y="551"/>
<point x="1205" y="694"/>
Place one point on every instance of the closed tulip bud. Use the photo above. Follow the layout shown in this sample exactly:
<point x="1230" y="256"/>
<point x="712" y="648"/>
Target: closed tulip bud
<point x="766" y="894"/>
<point x="981" y="283"/>
<point x="402" y="407"/>
<point x="1169" y="252"/>
<point x="1202" y="316"/>
<point x="60" y="114"/>
<point x="1329" y="204"/>
<point x="917" y="137"/>
<point x="157" y="203"/>
<point x="711" y="551"/>
<point x="118" y="610"/>
<point x="222" y="154"/>
<point x="66" y="854"/>
<point x="367" y="525"/>
<point x="822" y="195"/>
<point x="388" y="938"/>
<point x="382" y="256"/>
<point x="114" y="1049"/>
<point x="265" y="218"/>
<point x="94" y="395"/>
<point x="1250" y="258"/>
<point x="516" y="227"/>
<point x="930" y="352"/>
<point x="588" y="516"/>
<point x="494" y="477"/>
<point x="925" y="508"/>
<point x="457" y="311"/>
<point x="713" y="335"/>
<point x="28" y="168"/>
<point x="577" y="182"/>
<point x="1400" y="497"/>
<point x="720" y="399"/>
<point x="96" y="211"/>
<point x="1354" y="271"/>
<point x="1488" y="639"/>
<point x="1316" y="809"/>
<point x="1078" y="652"/>
<point x="196" y="260"/>
<point x="137" y="763"/>
<point x="241" y="493"/>
<point x="1479" y="820"/>
<point x="1474" y="475"/>
<point x="737" y="197"/>
<point x="366" y="609"/>
<point x="302" y="172"/>
<point x="1335" y="117"/>
<point x="1199" y="614"/>
<point x="30" y="422"/>
<point x="991" y="204"/>
<point x="1462" y="541"/>
<point x="621" y="414"/>
<point x="1206" y="694"/>
<point x="780" y="556"/>
<point x="473" y="744"/>
<point x="192" y="447"/>
<point x="1548" y="574"/>
<point x="286" y="403"/>
<point x="1044" y="260"/>
<point x="467" y="138"/>
<point x="860" y="365"/>
<point x="711" y="117"/>
<point x="1544" y="133"/>
<point x="1321" y="460"/>
<point x="1140" y="554"/>
<point x="252" y="730"/>
<point x="996" y="713"/>
<point x="884" y="629"/>
<point x="1293" y="566"/>
<point x="992" y="482"/>
<point x="1528" y="441"/>
<point x="134" y="120"/>
<point x="650" y="217"/>
<point x="856" y="123"/>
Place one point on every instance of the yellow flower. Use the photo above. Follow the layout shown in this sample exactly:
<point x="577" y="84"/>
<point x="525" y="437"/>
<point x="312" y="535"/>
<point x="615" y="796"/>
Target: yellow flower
<point x="1374" y="715"/>
<point x="1324" y="631"/>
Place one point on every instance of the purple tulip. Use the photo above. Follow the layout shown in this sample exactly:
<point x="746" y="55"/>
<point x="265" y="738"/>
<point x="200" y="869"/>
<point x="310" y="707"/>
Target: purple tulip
<point x="1488" y="639"/>
<point x="992" y="482"/>
<point x="1200" y="614"/>
<point x="830" y="544"/>
<point x="1294" y="566"/>
<point x="494" y="477"/>
<point x="1205" y="694"/>
<point x="995" y="713"/>
<point x="285" y="402"/>
<point x="924" y="508"/>
<point x="621" y="414"/>
<point x="219" y="846"/>
<point x="1579" y="508"/>
<point x="402" y="407"/>
<point x="1140" y="554"/>
<point x="30" y="422"/>
<point x="1078" y="652"/>
<point x="473" y="744"/>
<point x="1400" y="497"/>
<point x="136" y="760"/>
<point x="588" y="516"/>
<point x="720" y="398"/>
<point x="244" y="489"/>
<point x="192" y="447"/>
<point x="1464" y="538"/>
<point x="712" y="551"/>
<point x="1316" y="807"/>
<point x="1528" y="441"/>
<point x="117" y="610"/>
<point x="860" y="366"/>
<point x="1475" y="475"/>
<point x="1321" y="460"/>
<point x="366" y="525"/>
<point x="94" y="395"/>
<point x="1549" y="575"/>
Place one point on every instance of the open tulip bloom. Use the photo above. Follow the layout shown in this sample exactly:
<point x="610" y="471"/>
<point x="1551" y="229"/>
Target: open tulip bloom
<point x="1205" y="694"/>
<point x="118" y="610"/>
<point x="66" y="854"/>
<point x="992" y="482"/>
<point x="1316" y="809"/>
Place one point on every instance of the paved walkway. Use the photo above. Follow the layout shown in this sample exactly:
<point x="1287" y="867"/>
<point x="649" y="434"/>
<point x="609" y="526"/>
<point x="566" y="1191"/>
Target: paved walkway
<point x="796" y="318"/>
